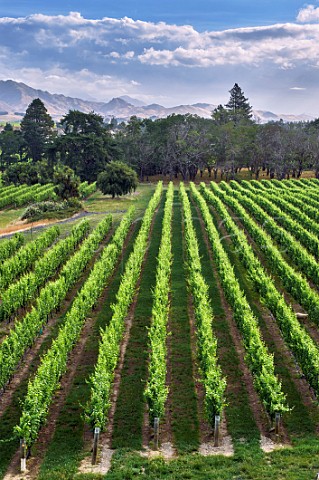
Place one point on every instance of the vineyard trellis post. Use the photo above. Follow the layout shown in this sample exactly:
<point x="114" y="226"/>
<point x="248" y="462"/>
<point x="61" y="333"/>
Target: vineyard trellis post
<point x="23" y="448"/>
<point x="156" y="432"/>
<point x="95" y="444"/>
<point x="216" y="430"/>
<point x="277" y="423"/>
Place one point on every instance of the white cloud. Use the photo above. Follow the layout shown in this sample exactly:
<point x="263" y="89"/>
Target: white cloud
<point x="308" y="14"/>
<point x="75" y="42"/>
<point x="297" y="88"/>
<point x="99" y="57"/>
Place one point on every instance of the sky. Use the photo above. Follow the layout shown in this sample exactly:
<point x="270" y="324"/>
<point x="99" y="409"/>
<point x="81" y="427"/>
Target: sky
<point x="170" y="52"/>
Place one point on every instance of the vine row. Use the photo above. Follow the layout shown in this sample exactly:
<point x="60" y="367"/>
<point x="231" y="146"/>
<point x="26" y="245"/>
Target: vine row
<point x="101" y="380"/>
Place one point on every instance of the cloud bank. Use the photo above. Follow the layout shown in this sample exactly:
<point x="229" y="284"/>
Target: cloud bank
<point x="101" y="58"/>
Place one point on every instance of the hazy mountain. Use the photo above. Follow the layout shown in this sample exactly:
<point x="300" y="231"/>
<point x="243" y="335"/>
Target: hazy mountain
<point x="133" y="101"/>
<point x="15" y="98"/>
<point x="262" y="116"/>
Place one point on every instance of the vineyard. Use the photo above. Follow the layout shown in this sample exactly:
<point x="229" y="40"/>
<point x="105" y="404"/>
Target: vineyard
<point x="171" y="334"/>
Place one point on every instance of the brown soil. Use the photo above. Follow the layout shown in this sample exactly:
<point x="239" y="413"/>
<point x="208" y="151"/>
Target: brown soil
<point x="105" y="451"/>
<point x="273" y="331"/>
<point x="311" y="328"/>
<point x="22" y="226"/>
<point x="76" y="357"/>
<point x="48" y="429"/>
<point x="30" y="356"/>
<point x="165" y="432"/>
<point x="260" y="416"/>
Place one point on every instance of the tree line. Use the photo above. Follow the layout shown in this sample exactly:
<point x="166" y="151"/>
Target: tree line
<point x="177" y="145"/>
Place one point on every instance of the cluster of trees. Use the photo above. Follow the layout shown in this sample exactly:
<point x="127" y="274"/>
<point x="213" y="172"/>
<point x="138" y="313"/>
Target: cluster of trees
<point x="179" y="144"/>
<point x="229" y="141"/>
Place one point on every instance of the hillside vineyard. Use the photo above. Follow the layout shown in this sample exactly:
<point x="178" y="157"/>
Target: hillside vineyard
<point x="188" y="326"/>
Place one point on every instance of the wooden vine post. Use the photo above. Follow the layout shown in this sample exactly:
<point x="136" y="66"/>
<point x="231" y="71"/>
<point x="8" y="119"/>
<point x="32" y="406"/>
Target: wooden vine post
<point x="216" y="430"/>
<point x="156" y="432"/>
<point x="277" y="423"/>
<point x="95" y="444"/>
<point x="23" y="448"/>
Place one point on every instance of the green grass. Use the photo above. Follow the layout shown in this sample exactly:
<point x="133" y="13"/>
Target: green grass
<point x="183" y="397"/>
<point x="8" y="216"/>
<point x="128" y="418"/>
<point x="66" y="448"/>
<point x="298" y="462"/>
<point x="11" y="416"/>
<point x="301" y="420"/>
<point x="240" y="421"/>
<point x="96" y="203"/>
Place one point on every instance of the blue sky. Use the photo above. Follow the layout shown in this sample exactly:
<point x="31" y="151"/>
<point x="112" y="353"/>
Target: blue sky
<point x="202" y="14"/>
<point x="168" y="52"/>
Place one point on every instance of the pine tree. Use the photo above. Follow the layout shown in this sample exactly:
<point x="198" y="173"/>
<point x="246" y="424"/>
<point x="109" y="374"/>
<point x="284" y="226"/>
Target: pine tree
<point x="238" y="105"/>
<point x="36" y="128"/>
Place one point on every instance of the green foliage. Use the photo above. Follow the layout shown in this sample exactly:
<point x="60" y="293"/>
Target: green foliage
<point x="299" y="341"/>
<point x="117" y="179"/>
<point x="102" y="379"/>
<point x="47" y="209"/>
<point x="86" y="146"/>
<point x="9" y="247"/>
<point x="37" y="129"/>
<point x="21" y="173"/>
<point x="77" y="122"/>
<point x="292" y="280"/>
<point x="86" y="189"/>
<point x="50" y="297"/>
<point x="259" y="360"/>
<point x="66" y="182"/>
<point x="307" y="235"/>
<point x="238" y="106"/>
<point x="156" y="390"/>
<point x="25" y="257"/>
<point x="53" y="364"/>
<point x="18" y="294"/>
<point x="19" y="196"/>
<point x="213" y="381"/>
<point x="12" y="146"/>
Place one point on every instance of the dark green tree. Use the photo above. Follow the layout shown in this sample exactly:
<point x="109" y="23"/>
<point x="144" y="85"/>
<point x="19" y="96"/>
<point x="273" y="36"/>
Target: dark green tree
<point x="66" y="182"/>
<point x="221" y="115"/>
<point x="12" y="146"/>
<point x="77" y="122"/>
<point x="37" y="129"/>
<point x="117" y="179"/>
<point x="238" y="106"/>
<point x="21" y="173"/>
<point x="86" y="146"/>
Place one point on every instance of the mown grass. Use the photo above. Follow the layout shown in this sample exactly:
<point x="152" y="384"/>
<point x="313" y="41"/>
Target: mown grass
<point x="240" y="422"/>
<point x="128" y="418"/>
<point x="298" y="462"/>
<point x="183" y="397"/>
<point x="66" y="448"/>
<point x="298" y="421"/>
<point x="96" y="205"/>
<point x="12" y="414"/>
<point x="286" y="464"/>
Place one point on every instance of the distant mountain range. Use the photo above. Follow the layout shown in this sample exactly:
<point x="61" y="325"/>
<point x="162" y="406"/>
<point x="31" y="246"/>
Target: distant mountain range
<point x="15" y="98"/>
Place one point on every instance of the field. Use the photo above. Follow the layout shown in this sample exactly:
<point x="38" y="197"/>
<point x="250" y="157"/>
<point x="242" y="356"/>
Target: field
<point x="180" y="303"/>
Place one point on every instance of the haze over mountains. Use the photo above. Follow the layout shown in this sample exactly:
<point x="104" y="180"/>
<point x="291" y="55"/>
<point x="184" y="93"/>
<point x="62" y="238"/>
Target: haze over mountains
<point x="15" y="97"/>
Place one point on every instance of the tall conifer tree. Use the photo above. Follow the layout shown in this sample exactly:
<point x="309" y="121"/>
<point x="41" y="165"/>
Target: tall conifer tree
<point x="36" y="128"/>
<point x="238" y="105"/>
